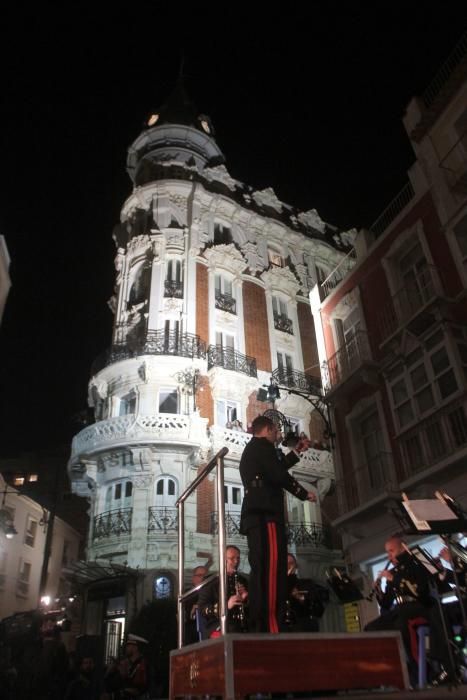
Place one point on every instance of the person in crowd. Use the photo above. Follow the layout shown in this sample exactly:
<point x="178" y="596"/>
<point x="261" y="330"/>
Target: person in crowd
<point x="265" y="476"/>
<point x="405" y="602"/>
<point x="136" y="683"/>
<point x="86" y="685"/>
<point x="50" y="673"/>
<point x="237" y="598"/>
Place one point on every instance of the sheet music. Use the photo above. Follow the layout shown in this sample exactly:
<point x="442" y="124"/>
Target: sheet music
<point x="426" y="509"/>
<point x="419" y="524"/>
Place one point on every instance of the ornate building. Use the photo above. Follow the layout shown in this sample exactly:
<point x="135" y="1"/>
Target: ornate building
<point x="210" y="302"/>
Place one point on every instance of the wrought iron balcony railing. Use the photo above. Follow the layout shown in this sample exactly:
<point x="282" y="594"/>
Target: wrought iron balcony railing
<point x="226" y="302"/>
<point x="112" y="523"/>
<point x="303" y="534"/>
<point x="454" y="164"/>
<point x="409" y="301"/>
<point x="298" y="533"/>
<point x="339" y="273"/>
<point x="163" y="520"/>
<point x="347" y="360"/>
<point x="158" y="342"/>
<point x="283" y="323"/>
<point x="232" y="523"/>
<point x="393" y="210"/>
<point x="173" y="288"/>
<point x="294" y="379"/>
<point x="228" y="358"/>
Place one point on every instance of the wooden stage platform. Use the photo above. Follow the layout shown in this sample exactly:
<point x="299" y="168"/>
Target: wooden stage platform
<point x="238" y="665"/>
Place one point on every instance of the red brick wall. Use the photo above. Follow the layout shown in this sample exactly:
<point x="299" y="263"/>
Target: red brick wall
<point x="202" y="302"/>
<point x="256" y="325"/>
<point x="205" y="504"/>
<point x="308" y="338"/>
<point x="255" y="408"/>
<point x="204" y="400"/>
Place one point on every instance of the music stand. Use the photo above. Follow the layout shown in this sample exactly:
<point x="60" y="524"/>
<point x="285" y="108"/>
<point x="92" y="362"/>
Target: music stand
<point x="344" y="588"/>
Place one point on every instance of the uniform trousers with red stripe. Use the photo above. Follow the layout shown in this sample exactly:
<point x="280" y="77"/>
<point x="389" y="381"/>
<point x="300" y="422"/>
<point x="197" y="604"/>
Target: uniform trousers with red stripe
<point x="267" y="588"/>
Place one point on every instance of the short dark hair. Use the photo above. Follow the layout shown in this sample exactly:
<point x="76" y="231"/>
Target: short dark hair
<point x="261" y="422"/>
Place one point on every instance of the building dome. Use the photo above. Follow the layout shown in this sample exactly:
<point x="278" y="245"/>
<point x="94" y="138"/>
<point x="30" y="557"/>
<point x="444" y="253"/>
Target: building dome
<point x="175" y="133"/>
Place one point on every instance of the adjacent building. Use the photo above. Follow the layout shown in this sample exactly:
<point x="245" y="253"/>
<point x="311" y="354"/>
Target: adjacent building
<point x="5" y="282"/>
<point x="211" y="301"/>
<point x="391" y="325"/>
<point x="23" y="531"/>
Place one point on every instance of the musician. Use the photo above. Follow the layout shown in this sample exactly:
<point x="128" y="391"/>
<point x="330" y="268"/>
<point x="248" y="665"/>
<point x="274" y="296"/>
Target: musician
<point x="406" y="599"/>
<point x="265" y="477"/>
<point x="304" y="604"/>
<point x="447" y="582"/>
<point x="237" y="598"/>
<point x="191" y="606"/>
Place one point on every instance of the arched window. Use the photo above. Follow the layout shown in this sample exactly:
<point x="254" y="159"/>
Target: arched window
<point x="166" y="491"/>
<point x="163" y="585"/>
<point x="119" y="495"/>
<point x="139" y="291"/>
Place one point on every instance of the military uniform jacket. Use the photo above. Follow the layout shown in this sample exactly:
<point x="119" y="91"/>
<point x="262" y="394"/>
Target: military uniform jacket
<point x="264" y="478"/>
<point x="410" y="580"/>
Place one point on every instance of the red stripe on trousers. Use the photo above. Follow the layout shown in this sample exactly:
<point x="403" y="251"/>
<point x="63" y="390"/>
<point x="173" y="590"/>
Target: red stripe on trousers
<point x="272" y="536"/>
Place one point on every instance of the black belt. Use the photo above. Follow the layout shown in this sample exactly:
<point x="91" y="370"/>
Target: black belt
<point x="256" y="483"/>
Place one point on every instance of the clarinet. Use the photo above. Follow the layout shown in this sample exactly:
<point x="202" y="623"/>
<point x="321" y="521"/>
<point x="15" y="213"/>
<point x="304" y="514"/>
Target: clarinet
<point x="238" y="613"/>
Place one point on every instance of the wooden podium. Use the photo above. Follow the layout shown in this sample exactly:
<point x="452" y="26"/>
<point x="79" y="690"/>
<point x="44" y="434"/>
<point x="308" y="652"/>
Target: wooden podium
<point x="241" y="664"/>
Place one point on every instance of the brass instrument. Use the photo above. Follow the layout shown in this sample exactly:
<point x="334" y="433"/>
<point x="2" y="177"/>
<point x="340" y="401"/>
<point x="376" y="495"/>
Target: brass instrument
<point x="238" y="613"/>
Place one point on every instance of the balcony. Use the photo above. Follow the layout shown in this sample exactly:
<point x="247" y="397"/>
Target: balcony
<point x="138" y="429"/>
<point x="405" y="307"/>
<point x="112" y="523"/>
<point x="392" y="211"/>
<point x="294" y="379"/>
<point x="173" y="289"/>
<point x="228" y="358"/>
<point x="338" y="274"/>
<point x="226" y="302"/>
<point x="232" y="523"/>
<point x="235" y="440"/>
<point x="162" y="520"/>
<point x="283" y="323"/>
<point x="371" y="481"/>
<point x="341" y="368"/>
<point x="439" y="440"/>
<point x="157" y="342"/>
<point x="454" y="164"/>
<point x="308" y="534"/>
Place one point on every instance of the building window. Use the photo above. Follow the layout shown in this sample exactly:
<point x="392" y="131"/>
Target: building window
<point x="24" y="575"/>
<point x="233" y="497"/>
<point x="282" y="322"/>
<point x="222" y="234"/>
<point x="139" y="291"/>
<point x="119" y="495"/>
<point x="166" y="492"/>
<point x="225" y="340"/>
<point x="423" y="381"/>
<point x="224" y="299"/>
<point x="173" y="285"/>
<point x="168" y="401"/>
<point x="127" y="405"/>
<point x="275" y="258"/>
<point x="18" y="481"/>
<point x="226" y="413"/>
<point x="285" y="368"/>
<point x="31" y="530"/>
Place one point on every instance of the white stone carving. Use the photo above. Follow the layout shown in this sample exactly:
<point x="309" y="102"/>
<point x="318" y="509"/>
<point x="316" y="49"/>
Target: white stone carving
<point x="220" y="174"/>
<point x="175" y="239"/>
<point x="281" y="278"/>
<point x="250" y="250"/>
<point x="144" y="372"/>
<point x="235" y="440"/>
<point x="119" y="262"/>
<point x="171" y="305"/>
<point x="226" y="257"/>
<point x="143" y="482"/>
<point x="312" y="219"/>
<point x="348" y="237"/>
<point x="268" y="198"/>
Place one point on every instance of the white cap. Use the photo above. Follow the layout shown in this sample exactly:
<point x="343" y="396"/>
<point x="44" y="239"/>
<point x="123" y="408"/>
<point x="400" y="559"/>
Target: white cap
<point x="135" y="639"/>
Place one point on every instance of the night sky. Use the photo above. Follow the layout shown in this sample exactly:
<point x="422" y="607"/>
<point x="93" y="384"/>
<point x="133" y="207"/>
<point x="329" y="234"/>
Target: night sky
<point x="308" y="101"/>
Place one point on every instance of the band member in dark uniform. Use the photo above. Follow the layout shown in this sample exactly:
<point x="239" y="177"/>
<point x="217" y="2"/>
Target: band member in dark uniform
<point x="407" y="599"/>
<point x="237" y="598"/>
<point x="304" y="605"/>
<point x="265" y="477"/>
